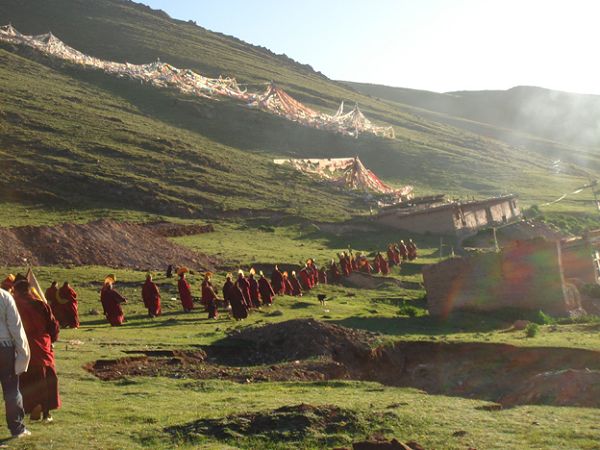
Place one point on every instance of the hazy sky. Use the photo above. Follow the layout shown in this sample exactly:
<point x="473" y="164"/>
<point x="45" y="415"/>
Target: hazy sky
<point x="438" y="45"/>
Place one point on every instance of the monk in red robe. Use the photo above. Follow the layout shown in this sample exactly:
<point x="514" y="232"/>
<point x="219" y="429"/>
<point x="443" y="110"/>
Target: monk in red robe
<point x="277" y="281"/>
<point x="243" y="285"/>
<point x="403" y="251"/>
<point x="296" y="287"/>
<point x="68" y="305"/>
<point x="254" y="290"/>
<point x="377" y="263"/>
<point x="266" y="290"/>
<point x="39" y="385"/>
<point x="185" y="291"/>
<point x="287" y="285"/>
<point x="334" y="272"/>
<point x="391" y="256"/>
<point x="344" y="264"/>
<point x="385" y="268"/>
<point x="322" y="275"/>
<point x="209" y="297"/>
<point x="111" y="302"/>
<point x="233" y="296"/>
<point x="411" y="248"/>
<point x="305" y="279"/>
<point x="151" y="297"/>
<point x="51" y="295"/>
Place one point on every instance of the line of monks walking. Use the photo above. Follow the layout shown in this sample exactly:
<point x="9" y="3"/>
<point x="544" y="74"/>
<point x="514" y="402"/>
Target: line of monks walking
<point x="42" y="321"/>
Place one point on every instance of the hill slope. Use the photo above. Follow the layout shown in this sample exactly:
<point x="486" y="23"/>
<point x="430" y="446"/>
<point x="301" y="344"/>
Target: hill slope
<point x="129" y="146"/>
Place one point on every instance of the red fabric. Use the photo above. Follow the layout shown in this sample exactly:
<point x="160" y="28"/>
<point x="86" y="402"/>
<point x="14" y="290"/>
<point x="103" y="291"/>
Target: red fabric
<point x="209" y="298"/>
<point x="254" y="292"/>
<point x="40" y="327"/>
<point x="377" y="264"/>
<point x="353" y="264"/>
<point x="151" y="297"/>
<point x="305" y="279"/>
<point x="344" y="263"/>
<point x="39" y="386"/>
<point x="244" y="287"/>
<point x="111" y="302"/>
<point x="69" y="316"/>
<point x="277" y="281"/>
<point x="403" y="251"/>
<point x="391" y="257"/>
<point x="266" y="291"/>
<point x="287" y="286"/>
<point x="412" y="251"/>
<point x="185" y="294"/>
<point x="322" y="276"/>
<point x="296" y="288"/>
<point x="51" y="295"/>
<point x="334" y="273"/>
<point x="234" y="296"/>
<point x="385" y="268"/>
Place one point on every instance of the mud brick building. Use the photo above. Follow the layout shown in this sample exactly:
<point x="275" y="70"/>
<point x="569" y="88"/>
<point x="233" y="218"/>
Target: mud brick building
<point x="526" y="275"/>
<point x="437" y="216"/>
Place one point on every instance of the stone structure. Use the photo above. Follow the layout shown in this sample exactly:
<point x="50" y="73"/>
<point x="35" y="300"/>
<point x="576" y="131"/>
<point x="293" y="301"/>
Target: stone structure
<point x="450" y="218"/>
<point x="526" y="275"/>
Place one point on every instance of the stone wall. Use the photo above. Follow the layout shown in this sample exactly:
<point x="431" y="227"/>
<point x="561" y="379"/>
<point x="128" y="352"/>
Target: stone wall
<point x="527" y="275"/>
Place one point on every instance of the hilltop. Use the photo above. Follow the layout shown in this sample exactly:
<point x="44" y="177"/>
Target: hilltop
<point x="135" y="148"/>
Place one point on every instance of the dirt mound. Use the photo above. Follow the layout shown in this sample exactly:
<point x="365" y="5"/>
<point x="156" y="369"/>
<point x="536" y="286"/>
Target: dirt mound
<point x="394" y="444"/>
<point x="193" y="365"/>
<point x="288" y="423"/>
<point x="102" y="242"/>
<point x="296" y="340"/>
<point x="561" y="388"/>
<point x="169" y="229"/>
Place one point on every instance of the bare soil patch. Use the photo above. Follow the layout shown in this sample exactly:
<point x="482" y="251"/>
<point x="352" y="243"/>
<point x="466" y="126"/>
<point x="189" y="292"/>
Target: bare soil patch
<point x="101" y="242"/>
<point x="309" y="350"/>
<point x="288" y="423"/>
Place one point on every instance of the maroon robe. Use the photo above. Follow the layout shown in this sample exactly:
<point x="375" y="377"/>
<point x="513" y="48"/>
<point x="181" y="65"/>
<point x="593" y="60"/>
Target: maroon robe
<point x="51" y="295"/>
<point x="403" y="251"/>
<point x="185" y="294"/>
<point x="334" y="273"/>
<point x="266" y="291"/>
<point x="209" y="298"/>
<point x="243" y="285"/>
<point x="277" y="281"/>
<point x="296" y="288"/>
<point x="377" y="264"/>
<point x="254" y="291"/>
<point x="68" y="305"/>
<point x="345" y="265"/>
<point x="287" y="286"/>
<point x="234" y="297"/>
<point x="322" y="276"/>
<point x="39" y="385"/>
<point x="412" y="251"/>
<point x="391" y="257"/>
<point x="305" y="279"/>
<point x="111" y="303"/>
<point x="151" y="297"/>
<point x="385" y="268"/>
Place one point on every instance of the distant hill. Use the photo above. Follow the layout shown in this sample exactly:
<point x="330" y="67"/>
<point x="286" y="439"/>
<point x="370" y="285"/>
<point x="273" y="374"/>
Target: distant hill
<point x="86" y="140"/>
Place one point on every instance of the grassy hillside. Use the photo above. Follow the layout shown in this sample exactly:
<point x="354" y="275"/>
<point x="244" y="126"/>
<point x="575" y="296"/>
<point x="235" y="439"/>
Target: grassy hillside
<point x="134" y="147"/>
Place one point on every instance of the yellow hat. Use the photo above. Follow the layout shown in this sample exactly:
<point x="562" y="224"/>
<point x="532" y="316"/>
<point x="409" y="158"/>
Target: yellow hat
<point x="110" y="278"/>
<point x="182" y="270"/>
<point x="8" y="282"/>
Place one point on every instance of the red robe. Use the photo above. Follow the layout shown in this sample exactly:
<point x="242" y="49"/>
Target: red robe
<point x="305" y="279"/>
<point x="185" y="294"/>
<point x="403" y="251"/>
<point x="322" y="276"/>
<point x="385" y="268"/>
<point x="39" y="385"/>
<point x="391" y="257"/>
<point x="244" y="287"/>
<point x="334" y="273"/>
<point x="254" y="292"/>
<point x="287" y="286"/>
<point x="67" y="299"/>
<point x="111" y="303"/>
<point x="234" y="297"/>
<point x="412" y="251"/>
<point x="345" y="264"/>
<point x="51" y="295"/>
<point x="296" y="288"/>
<point x="209" y="298"/>
<point x="266" y="291"/>
<point x="377" y="264"/>
<point x="277" y="282"/>
<point x="151" y="297"/>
